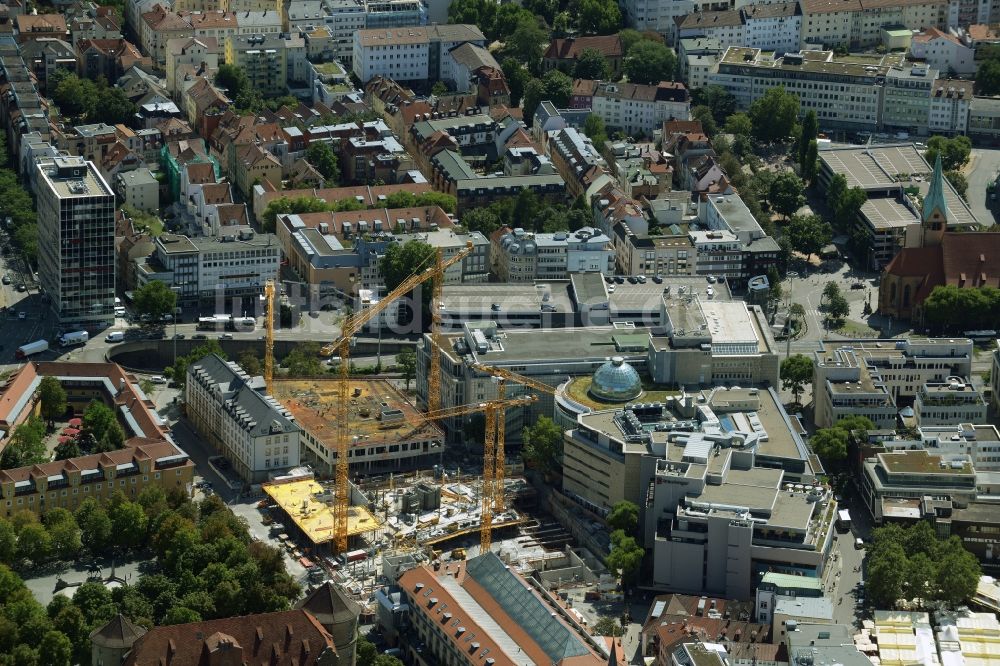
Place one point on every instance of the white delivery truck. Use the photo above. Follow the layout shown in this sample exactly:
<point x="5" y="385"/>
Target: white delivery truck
<point x="74" y="338"/>
<point x="36" y="347"/>
<point x="115" y="336"/>
<point x="844" y="520"/>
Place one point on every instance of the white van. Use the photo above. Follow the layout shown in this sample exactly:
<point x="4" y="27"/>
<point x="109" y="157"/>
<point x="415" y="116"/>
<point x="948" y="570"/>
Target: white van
<point x="115" y="336"/>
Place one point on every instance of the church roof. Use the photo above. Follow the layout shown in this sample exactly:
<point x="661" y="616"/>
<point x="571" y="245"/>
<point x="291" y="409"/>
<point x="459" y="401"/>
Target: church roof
<point x="971" y="259"/>
<point x="917" y="261"/>
<point x="330" y="605"/>
<point x="935" y="195"/>
<point x="118" y="633"/>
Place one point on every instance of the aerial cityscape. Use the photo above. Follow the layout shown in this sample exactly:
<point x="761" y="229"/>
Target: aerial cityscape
<point x="500" y="333"/>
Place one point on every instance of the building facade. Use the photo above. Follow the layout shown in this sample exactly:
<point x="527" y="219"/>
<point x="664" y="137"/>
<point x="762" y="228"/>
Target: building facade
<point x="249" y="428"/>
<point x="76" y="241"/>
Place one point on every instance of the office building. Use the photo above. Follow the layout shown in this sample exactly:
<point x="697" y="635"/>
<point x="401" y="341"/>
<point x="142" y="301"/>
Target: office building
<point x="980" y="442"/>
<point x="76" y="241"/>
<point x="231" y="410"/>
<point x="954" y="400"/>
<point x="234" y="264"/>
<point x="636" y="108"/>
<point x="410" y="53"/>
<point x="776" y="588"/>
<point x="866" y="378"/>
<point x="520" y="256"/>
<point x="894" y="483"/>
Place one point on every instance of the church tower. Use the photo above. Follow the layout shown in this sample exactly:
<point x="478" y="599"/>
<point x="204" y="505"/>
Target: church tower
<point x="935" y="212"/>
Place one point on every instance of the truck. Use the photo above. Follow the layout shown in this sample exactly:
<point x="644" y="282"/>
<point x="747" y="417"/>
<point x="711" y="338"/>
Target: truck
<point x="36" y="347"/>
<point x="843" y="520"/>
<point x="74" y="338"/>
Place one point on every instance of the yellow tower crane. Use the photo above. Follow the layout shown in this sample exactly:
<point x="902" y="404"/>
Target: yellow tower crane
<point x="493" y="444"/>
<point x="499" y="454"/>
<point x="434" y="366"/>
<point x="351" y="325"/>
<point x="269" y="336"/>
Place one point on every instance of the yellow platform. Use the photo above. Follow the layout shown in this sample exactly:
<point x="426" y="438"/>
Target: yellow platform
<point x="314" y="516"/>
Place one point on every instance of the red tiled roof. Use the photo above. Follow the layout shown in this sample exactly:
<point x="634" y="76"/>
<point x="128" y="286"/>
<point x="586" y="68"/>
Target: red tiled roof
<point x="570" y="48"/>
<point x="286" y="638"/>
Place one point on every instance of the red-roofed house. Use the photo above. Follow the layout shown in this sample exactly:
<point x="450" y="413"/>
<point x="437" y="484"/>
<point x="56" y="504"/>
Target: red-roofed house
<point x="944" y="52"/>
<point x="563" y="53"/>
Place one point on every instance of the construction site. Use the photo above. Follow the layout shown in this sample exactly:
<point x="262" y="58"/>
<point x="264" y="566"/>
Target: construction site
<point x="387" y="433"/>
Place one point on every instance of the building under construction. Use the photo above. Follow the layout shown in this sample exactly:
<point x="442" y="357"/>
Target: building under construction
<point x="389" y="435"/>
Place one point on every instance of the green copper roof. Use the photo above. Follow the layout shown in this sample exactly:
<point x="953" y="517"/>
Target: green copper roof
<point x="935" y="195"/>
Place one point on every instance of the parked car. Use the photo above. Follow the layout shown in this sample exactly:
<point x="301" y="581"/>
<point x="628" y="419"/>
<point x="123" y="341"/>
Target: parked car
<point x="6" y="279"/>
<point x="22" y="315"/>
<point x="158" y="379"/>
<point x="858" y="285"/>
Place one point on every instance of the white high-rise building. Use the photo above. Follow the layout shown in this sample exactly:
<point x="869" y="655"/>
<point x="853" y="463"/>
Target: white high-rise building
<point x="76" y="241"/>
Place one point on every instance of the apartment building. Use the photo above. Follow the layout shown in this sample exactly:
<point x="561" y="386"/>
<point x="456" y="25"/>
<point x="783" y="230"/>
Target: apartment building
<point x="575" y="156"/>
<point x="845" y="95"/>
<point x="697" y="57"/>
<point x="639" y="109"/>
<point x="642" y="254"/>
<point x="76" y="241"/>
<point x="981" y="442"/>
<point x="859" y="23"/>
<point x="727" y="26"/>
<point x="984" y="117"/>
<point x="520" y="256"/>
<point x="227" y="407"/>
<point x="409" y="54"/>
<point x="867" y="378"/>
<point x="661" y="15"/>
<point x="188" y="57"/>
<point x="944" y="52"/>
<point x="773" y="26"/>
<point x="271" y="62"/>
<point x="951" y="100"/>
<point x="954" y="400"/>
<point x="828" y="23"/>
<point x="233" y="264"/>
<point x="893" y="483"/>
<point x="906" y="98"/>
<point x="64" y="484"/>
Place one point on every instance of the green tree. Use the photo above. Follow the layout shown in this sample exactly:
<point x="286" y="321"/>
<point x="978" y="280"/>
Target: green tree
<point x="810" y="130"/>
<point x="808" y="234"/>
<point x="517" y="76"/>
<point x="101" y="430"/>
<point x="54" y="649"/>
<point x="113" y="107"/>
<point x="321" y="156"/>
<point x="704" y="115"/>
<point x="718" y="99"/>
<point x="26" y="446"/>
<point x="387" y="660"/>
<point x="128" y="523"/>
<point x="34" y="543"/>
<point x="958" y="573"/>
<point x="8" y="542"/>
<point x="591" y="64"/>
<point x="154" y="300"/>
<point x="624" y="516"/>
<point x="607" y="626"/>
<point x="95" y="526"/>
<point x="555" y="87"/>
<point x="402" y="260"/>
<point x="483" y="220"/>
<point x="181" y="615"/>
<point x="287" y="206"/>
<point x="830" y="443"/>
<point x="837" y="308"/>
<point x="74" y="96"/>
<point x="959" y="182"/>
<point x="527" y="41"/>
<point x="988" y="78"/>
<point x="406" y="360"/>
<point x="543" y="445"/>
<point x="810" y="165"/>
<point x="366" y="652"/>
<point x="650" y="62"/>
<point x="446" y="202"/>
<point x="303" y="361"/>
<point x="796" y="371"/>
<point x="844" y="202"/>
<point x="593" y="127"/>
<point x="600" y="17"/>
<point x="787" y="193"/>
<point x="52" y="398"/>
<point x="739" y="124"/>
<point x="64" y="534"/>
<point x="886" y="577"/>
<point x="250" y="363"/>
<point x="954" y="152"/>
<point x="625" y="556"/>
<point x="232" y="79"/>
<point x="774" y="115"/>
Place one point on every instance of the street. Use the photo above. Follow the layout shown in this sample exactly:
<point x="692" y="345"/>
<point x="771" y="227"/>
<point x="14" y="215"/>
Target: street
<point x="985" y="164"/>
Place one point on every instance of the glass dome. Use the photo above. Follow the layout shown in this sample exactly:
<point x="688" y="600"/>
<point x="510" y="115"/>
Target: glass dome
<point x="616" y="381"/>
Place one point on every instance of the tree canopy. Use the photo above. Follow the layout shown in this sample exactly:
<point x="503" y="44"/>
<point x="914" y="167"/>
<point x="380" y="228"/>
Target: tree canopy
<point x="808" y="234"/>
<point x="624" y="516"/>
<point x="555" y="87"/>
<point x="954" y="151"/>
<point x="543" y="445"/>
<point x="321" y="156"/>
<point x="402" y="260"/>
<point x="154" y="300"/>
<point x="591" y="64"/>
<point x="774" y="114"/>
<point x="913" y="563"/>
<point x="718" y="99"/>
<point x="787" y="193"/>
<point x="598" y="17"/>
<point x="950" y="308"/>
<point x="52" y="397"/>
<point x="25" y="446"/>
<point x="796" y="371"/>
<point x="650" y="62"/>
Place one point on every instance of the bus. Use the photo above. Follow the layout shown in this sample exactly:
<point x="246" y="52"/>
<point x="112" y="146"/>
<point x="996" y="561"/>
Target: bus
<point x="215" y="322"/>
<point x="244" y="324"/>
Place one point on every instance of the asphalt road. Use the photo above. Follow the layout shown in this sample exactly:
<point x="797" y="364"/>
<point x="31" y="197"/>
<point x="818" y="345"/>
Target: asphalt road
<point x="986" y="163"/>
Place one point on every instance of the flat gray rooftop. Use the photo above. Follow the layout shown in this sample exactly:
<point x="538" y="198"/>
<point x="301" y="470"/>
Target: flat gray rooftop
<point x="510" y="298"/>
<point x="888" y="214"/>
<point x="553" y="346"/>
